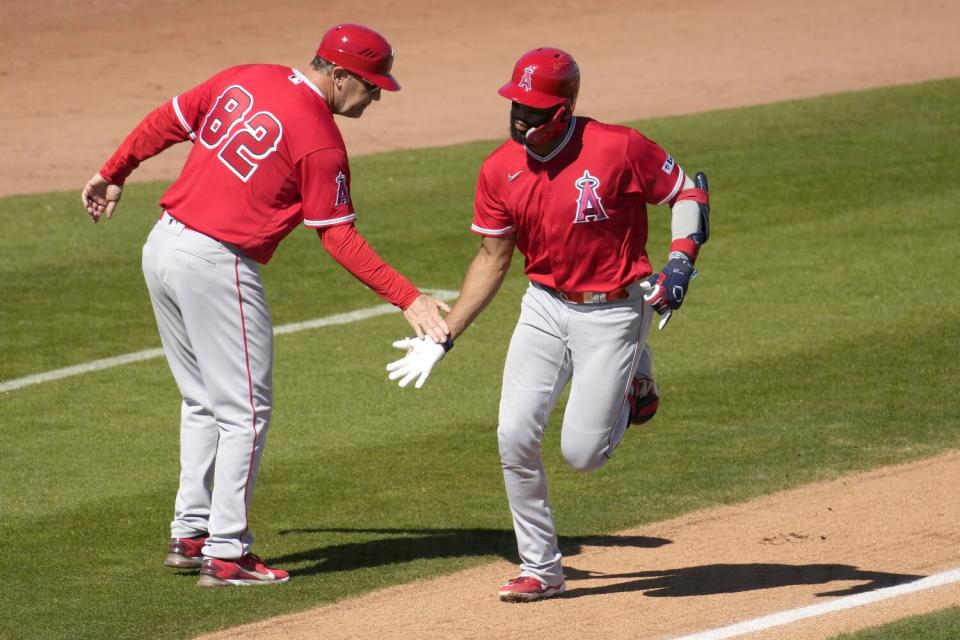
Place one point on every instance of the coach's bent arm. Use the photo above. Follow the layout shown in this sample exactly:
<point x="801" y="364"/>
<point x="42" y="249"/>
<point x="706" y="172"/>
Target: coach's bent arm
<point x="483" y="280"/>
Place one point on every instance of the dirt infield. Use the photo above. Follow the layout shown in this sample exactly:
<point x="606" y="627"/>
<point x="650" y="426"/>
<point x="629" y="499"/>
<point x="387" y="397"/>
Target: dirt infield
<point x="76" y="76"/>
<point x="702" y="571"/>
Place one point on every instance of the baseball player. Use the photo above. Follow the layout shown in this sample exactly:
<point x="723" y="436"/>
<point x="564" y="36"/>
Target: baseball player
<point x="571" y="194"/>
<point x="267" y="157"/>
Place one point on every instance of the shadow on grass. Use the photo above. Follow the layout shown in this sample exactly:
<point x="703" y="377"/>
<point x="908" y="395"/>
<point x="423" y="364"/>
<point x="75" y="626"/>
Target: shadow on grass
<point x="712" y="579"/>
<point x="407" y="545"/>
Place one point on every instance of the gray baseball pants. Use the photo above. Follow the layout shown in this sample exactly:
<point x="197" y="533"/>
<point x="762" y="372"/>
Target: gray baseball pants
<point x="217" y="335"/>
<point x="599" y="347"/>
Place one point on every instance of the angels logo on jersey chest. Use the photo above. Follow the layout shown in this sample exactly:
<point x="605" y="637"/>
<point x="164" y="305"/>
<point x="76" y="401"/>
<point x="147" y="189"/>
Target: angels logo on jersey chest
<point x="589" y="203"/>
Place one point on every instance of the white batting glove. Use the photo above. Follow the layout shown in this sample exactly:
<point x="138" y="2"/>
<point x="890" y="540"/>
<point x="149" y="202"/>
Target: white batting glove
<point x="651" y="293"/>
<point x="422" y="356"/>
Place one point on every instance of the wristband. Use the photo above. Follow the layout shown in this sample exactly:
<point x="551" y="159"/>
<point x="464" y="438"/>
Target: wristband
<point x="687" y="246"/>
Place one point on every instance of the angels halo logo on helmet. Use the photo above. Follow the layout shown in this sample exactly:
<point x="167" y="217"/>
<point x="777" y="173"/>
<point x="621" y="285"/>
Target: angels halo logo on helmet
<point x="362" y="51"/>
<point x="544" y="78"/>
<point x="526" y="82"/>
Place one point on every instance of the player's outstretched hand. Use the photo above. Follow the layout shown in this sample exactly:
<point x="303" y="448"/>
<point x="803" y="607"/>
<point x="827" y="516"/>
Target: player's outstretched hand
<point x="422" y="355"/>
<point x="100" y="197"/>
<point x="424" y="316"/>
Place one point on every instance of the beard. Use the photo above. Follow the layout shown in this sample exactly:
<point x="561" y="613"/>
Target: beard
<point x="520" y="137"/>
<point x="530" y="118"/>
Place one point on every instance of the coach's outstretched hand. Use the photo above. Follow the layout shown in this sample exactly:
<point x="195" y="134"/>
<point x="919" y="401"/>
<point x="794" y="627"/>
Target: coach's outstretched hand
<point x="424" y="316"/>
<point x="100" y="197"/>
<point x="422" y="355"/>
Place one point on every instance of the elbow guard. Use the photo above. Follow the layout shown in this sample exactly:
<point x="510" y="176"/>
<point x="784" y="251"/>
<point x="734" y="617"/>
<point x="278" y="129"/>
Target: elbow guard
<point x="701" y="195"/>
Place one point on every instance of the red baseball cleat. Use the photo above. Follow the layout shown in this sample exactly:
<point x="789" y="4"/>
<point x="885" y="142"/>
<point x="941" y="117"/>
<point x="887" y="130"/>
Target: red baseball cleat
<point x="185" y="553"/>
<point x="247" y="570"/>
<point x="528" y="589"/>
<point x="644" y="400"/>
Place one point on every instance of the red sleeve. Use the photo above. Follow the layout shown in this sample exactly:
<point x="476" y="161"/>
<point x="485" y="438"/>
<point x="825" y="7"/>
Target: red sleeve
<point x="490" y="217"/>
<point x="325" y="188"/>
<point x="351" y="250"/>
<point x="655" y="172"/>
<point x="159" y="130"/>
<point x="168" y="124"/>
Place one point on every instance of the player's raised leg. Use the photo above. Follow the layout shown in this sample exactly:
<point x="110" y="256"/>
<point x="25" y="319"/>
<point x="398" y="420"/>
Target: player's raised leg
<point x="606" y="348"/>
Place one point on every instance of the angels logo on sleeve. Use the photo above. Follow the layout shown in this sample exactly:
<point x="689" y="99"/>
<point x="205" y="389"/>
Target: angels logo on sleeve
<point x="589" y="204"/>
<point x="343" y="194"/>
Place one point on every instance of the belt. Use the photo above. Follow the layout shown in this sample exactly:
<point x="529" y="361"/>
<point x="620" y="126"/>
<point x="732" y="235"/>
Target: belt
<point x="592" y="297"/>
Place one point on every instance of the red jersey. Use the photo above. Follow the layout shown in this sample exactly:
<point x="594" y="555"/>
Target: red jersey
<point x="267" y="156"/>
<point x="580" y="213"/>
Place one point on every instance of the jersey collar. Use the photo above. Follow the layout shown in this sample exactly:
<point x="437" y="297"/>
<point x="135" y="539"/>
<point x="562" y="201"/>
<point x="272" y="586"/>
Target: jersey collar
<point x="563" y="143"/>
<point x="307" y="81"/>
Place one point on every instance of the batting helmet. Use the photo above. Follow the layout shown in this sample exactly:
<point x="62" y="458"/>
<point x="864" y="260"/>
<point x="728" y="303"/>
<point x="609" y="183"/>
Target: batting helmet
<point x="362" y="51"/>
<point x="544" y="78"/>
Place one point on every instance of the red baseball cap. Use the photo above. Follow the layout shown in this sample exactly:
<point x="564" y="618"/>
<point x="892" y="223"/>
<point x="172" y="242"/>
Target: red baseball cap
<point x="362" y="51"/>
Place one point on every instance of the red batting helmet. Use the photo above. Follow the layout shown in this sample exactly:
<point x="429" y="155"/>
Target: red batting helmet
<point x="544" y="78"/>
<point x="361" y="51"/>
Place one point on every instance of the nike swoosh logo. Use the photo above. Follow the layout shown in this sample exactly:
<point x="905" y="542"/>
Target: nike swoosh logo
<point x="512" y="177"/>
<point x="269" y="575"/>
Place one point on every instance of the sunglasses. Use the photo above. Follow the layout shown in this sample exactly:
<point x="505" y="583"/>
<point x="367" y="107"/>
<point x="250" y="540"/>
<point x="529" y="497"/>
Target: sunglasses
<point x="369" y="86"/>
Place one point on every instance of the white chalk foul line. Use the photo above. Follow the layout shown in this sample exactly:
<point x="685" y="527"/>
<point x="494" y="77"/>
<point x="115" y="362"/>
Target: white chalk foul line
<point x="149" y="354"/>
<point x="840" y="604"/>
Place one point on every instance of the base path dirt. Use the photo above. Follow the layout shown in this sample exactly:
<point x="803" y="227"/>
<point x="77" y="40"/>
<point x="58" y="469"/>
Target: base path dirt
<point x="76" y="76"/>
<point x="700" y="572"/>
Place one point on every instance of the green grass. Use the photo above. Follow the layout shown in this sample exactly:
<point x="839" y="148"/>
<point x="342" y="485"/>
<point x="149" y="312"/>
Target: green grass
<point x="942" y="625"/>
<point x="820" y="338"/>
